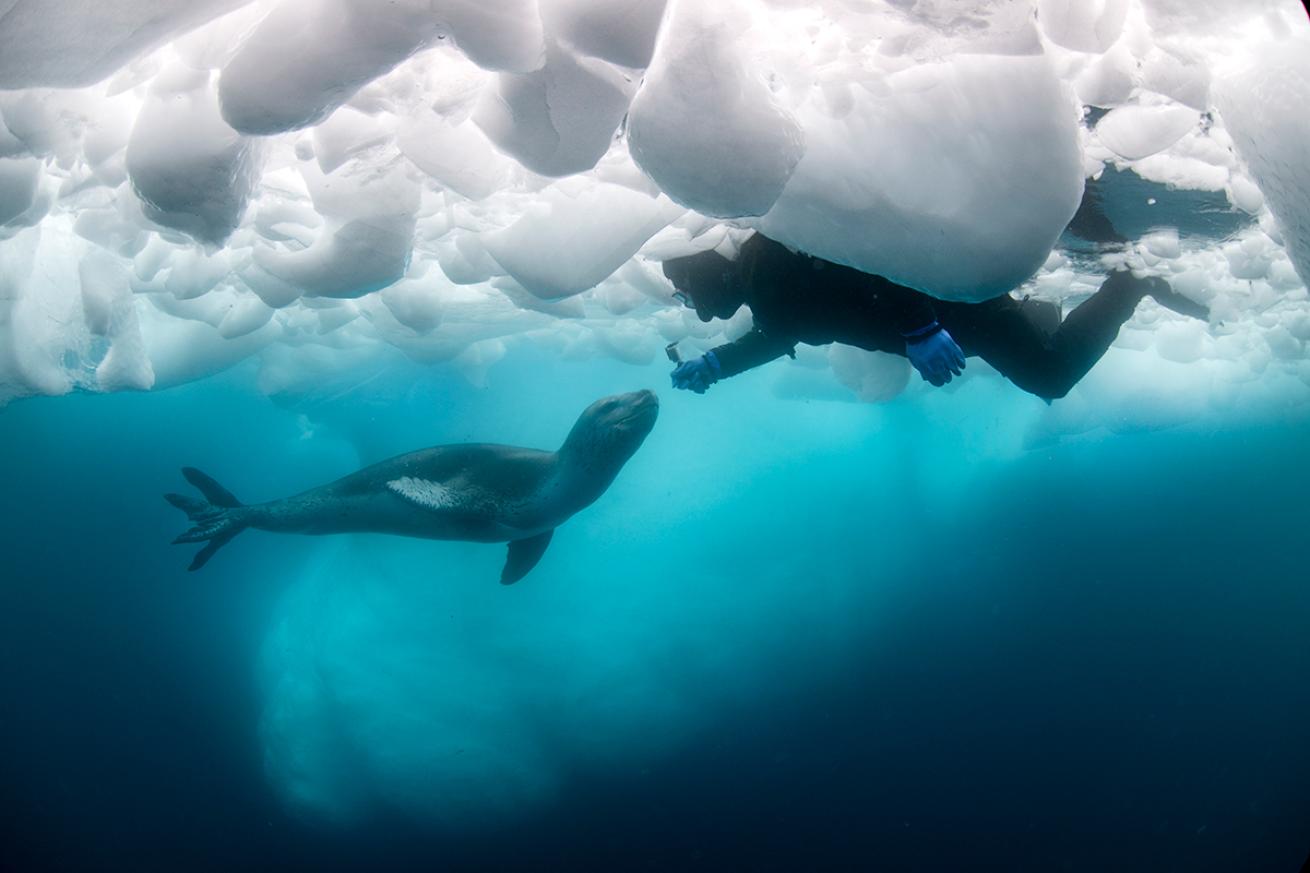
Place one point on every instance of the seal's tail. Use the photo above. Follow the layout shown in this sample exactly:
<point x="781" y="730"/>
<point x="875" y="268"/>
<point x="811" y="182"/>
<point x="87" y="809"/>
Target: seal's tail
<point x="217" y="519"/>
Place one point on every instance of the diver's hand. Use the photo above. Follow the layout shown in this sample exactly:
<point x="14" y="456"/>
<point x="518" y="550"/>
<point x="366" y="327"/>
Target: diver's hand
<point x="935" y="354"/>
<point x="698" y="374"/>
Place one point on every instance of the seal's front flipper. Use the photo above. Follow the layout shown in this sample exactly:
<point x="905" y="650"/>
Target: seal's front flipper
<point x="523" y="556"/>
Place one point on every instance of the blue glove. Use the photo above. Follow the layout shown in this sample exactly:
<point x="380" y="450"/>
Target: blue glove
<point x="697" y="375"/>
<point x="934" y="353"/>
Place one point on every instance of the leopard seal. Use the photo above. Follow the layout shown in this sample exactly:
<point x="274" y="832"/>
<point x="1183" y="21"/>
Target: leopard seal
<point x="471" y="491"/>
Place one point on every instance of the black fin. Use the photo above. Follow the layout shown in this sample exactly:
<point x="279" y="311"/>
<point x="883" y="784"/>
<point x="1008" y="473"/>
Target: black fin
<point x="1164" y="294"/>
<point x="214" y="493"/>
<point x="218" y="520"/>
<point x="202" y="557"/>
<point x="523" y="556"/>
<point x="191" y="506"/>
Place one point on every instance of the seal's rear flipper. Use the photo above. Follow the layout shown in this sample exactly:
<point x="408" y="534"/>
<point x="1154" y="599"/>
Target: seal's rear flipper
<point x="217" y="521"/>
<point x="215" y="493"/>
<point x="523" y="556"/>
<point x="202" y="557"/>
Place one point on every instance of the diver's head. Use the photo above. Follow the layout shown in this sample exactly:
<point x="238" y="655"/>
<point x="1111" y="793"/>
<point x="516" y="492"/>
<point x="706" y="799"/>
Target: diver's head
<point x="712" y="283"/>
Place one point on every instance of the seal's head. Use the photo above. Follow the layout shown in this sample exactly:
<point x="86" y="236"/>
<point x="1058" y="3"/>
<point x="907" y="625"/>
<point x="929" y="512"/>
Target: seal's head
<point x="710" y="281"/>
<point x="610" y="431"/>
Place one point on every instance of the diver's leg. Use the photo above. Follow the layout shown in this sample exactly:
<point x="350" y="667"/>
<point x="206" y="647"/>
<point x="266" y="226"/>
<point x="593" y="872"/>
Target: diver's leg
<point x="1087" y="333"/>
<point x="1015" y="337"/>
<point x="1009" y="334"/>
<point x="1089" y="330"/>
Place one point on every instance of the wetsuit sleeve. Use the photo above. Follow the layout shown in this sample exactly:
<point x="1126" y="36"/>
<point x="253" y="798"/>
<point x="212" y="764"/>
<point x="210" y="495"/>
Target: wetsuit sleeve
<point x="907" y="309"/>
<point x="750" y="351"/>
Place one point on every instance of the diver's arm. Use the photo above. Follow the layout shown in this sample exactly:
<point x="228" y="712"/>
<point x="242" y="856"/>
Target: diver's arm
<point x="729" y="359"/>
<point x="750" y="351"/>
<point x="909" y="310"/>
<point x="929" y="346"/>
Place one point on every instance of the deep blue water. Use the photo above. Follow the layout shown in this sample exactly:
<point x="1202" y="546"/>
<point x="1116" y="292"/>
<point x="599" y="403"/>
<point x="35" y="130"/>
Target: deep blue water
<point x="896" y="639"/>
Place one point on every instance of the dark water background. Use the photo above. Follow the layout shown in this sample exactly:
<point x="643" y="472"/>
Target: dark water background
<point x="1092" y="656"/>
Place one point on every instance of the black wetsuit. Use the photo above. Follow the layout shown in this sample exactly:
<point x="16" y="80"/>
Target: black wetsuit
<point x="796" y="298"/>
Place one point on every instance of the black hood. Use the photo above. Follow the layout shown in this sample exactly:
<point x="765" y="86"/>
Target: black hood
<point x="710" y="280"/>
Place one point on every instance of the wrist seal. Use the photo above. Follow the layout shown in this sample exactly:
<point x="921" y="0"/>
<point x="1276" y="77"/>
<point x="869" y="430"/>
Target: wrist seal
<point x="922" y="333"/>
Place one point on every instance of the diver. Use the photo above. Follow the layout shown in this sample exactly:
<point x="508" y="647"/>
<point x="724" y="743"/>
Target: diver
<point x="796" y="298"/>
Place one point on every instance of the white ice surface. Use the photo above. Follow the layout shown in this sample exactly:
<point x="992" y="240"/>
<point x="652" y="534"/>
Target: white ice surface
<point x="719" y="143"/>
<point x="187" y="186"/>
<point x="71" y="43"/>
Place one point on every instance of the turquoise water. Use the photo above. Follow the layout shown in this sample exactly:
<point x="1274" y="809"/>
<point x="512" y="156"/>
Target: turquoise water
<point x="792" y="636"/>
